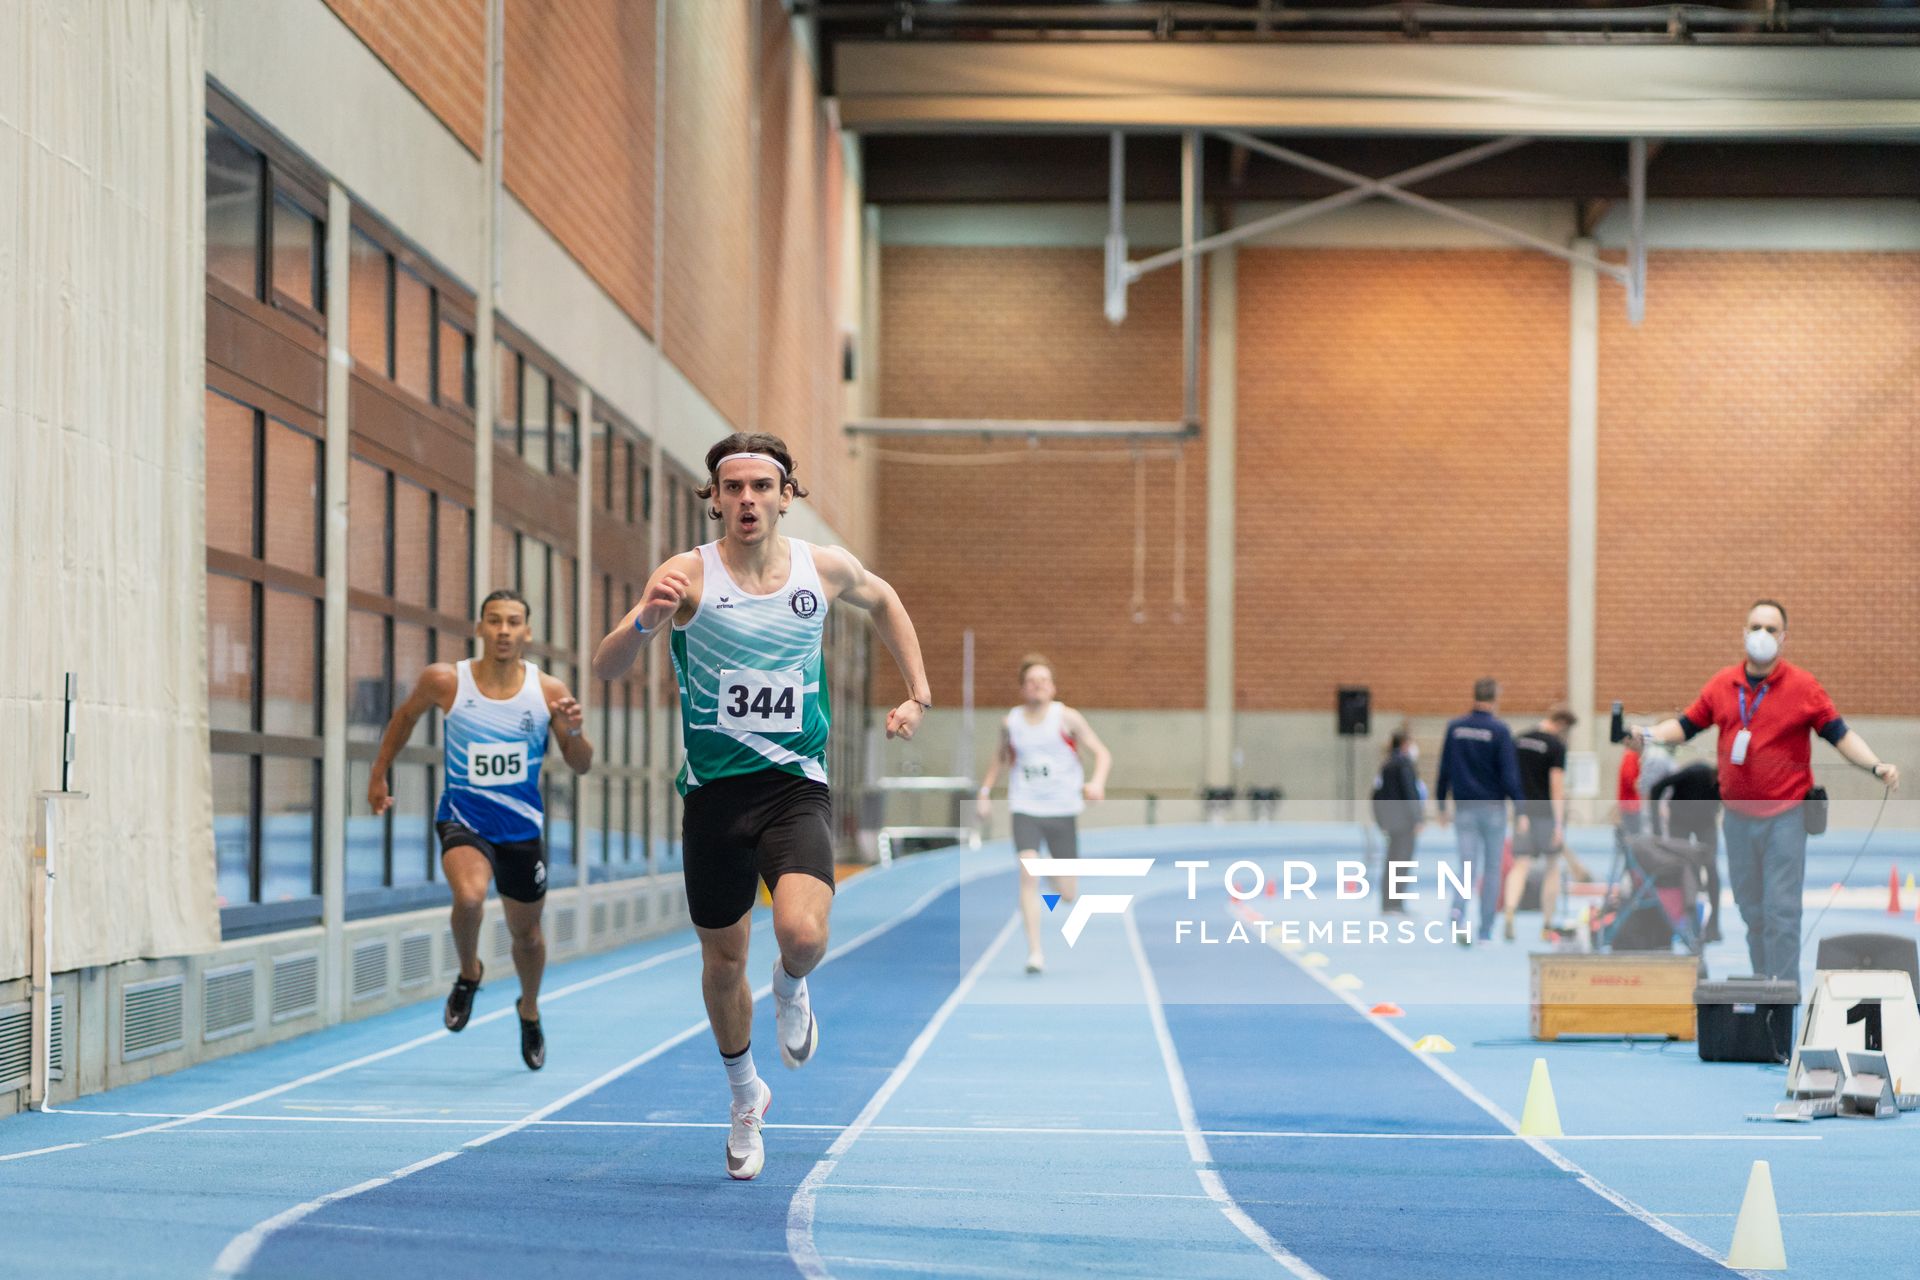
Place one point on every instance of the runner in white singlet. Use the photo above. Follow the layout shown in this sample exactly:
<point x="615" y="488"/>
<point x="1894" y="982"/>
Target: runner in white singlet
<point x="1047" y="786"/>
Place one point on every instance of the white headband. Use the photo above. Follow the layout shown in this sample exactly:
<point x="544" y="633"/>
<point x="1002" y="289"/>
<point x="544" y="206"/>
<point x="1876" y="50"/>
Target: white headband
<point x="751" y="457"/>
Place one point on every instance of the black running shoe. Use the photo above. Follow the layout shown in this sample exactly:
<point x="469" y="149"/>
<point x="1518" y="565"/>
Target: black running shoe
<point x="533" y="1042"/>
<point x="460" y="1001"/>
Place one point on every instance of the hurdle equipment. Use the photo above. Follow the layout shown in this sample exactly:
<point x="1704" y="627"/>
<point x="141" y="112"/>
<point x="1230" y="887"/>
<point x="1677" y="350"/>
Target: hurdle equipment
<point x="1757" y="1245"/>
<point x="1541" y="1117"/>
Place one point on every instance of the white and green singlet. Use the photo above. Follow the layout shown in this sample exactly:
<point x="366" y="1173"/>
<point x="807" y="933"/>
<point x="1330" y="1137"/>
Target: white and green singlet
<point x="753" y="682"/>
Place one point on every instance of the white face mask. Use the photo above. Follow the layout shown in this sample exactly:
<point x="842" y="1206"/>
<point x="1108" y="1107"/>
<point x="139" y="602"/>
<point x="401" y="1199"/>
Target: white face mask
<point x="1762" y="647"/>
<point x="1413" y="751"/>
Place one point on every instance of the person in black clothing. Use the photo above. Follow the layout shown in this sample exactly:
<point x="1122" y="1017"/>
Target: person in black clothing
<point x="1692" y="812"/>
<point x="1542" y="755"/>
<point x="1398" y="808"/>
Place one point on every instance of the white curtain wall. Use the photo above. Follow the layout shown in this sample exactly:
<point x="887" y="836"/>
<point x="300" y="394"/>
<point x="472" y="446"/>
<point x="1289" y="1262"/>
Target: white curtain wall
<point x="101" y="472"/>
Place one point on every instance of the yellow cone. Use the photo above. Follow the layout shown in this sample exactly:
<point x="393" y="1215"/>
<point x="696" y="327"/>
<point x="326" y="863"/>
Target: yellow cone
<point x="1293" y="947"/>
<point x="1315" y="960"/>
<point x="1541" y="1118"/>
<point x="1756" y="1236"/>
<point x="1433" y="1044"/>
<point x="1909" y="882"/>
<point x="1347" y="982"/>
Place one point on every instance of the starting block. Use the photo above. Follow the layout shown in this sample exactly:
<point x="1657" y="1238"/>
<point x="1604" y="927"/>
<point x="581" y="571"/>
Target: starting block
<point x="1828" y="1082"/>
<point x="1864" y="1011"/>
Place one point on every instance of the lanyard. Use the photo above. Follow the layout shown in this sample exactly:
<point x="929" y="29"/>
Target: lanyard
<point x="1746" y="715"/>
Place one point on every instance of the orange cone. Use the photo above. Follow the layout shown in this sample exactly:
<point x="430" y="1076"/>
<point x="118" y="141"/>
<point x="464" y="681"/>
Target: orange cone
<point x="1893" y="892"/>
<point x="1387" y="1010"/>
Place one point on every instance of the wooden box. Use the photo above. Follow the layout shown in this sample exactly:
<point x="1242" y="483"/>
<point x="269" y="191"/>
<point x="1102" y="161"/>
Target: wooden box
<point x="1613" y="995"/>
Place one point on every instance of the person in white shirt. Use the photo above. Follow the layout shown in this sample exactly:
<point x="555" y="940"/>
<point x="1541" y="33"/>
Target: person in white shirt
<point x="1047" y="786"/>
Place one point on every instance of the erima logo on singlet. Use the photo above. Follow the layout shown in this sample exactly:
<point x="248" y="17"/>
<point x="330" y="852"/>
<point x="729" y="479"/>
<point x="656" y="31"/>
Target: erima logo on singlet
<point x="724" y="603"/>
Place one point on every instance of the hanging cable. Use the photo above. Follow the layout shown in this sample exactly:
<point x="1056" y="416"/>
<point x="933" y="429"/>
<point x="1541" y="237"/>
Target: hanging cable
<point x="1179" y="534"/>
<point x="1139" y="605"/>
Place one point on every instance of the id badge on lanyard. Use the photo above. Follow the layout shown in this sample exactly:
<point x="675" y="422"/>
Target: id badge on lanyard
<point x="1744" y="738"/>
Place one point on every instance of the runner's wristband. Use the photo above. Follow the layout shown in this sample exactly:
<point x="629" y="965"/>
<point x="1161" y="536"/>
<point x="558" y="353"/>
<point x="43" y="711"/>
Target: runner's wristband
<point x="642" y="630"/>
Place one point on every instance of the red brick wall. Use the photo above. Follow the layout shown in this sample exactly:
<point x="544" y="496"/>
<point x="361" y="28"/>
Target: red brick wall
<point x="710" y="209"/>
<point x="1757" y="438"/>
<point x="580" y="150"/>
<point x="438" y="49"/>
<point x="1036" y="554"/>
<point x="1402" y="488"/>
<point x="578" y="119"/>
<point x="798" y="388"/>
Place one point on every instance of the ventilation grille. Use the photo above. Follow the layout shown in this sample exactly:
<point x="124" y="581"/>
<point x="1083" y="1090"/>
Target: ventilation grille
<point x="57" y="1060"/>
<point x="566" y="926"/>
<point x="502" y="940"/>
<point x="296" y="985"/>
<point x="599" y="918"/>
<point x="370" y="969"/>
<point x="620" y="915"/>
<point x="227" y="997"/>
<point x="16" y="1044"/>
<point x="152" y="1018"/>
<point x="416" y="958"/>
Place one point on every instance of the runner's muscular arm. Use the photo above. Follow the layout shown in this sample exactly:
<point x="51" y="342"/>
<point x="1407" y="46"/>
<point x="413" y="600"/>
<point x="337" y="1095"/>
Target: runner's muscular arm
<point x="565" y="719"/>
<point x="847" y="579"/>
<point x="1096" y="788"/>
<point x="672" y="594"/>
<point x="435" y="688"/>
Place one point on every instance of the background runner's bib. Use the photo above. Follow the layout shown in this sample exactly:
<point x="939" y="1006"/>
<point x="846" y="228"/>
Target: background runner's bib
<point x="753" y="685"/>
<point x="494" y="748"/>
<point x="1047" y="774"/>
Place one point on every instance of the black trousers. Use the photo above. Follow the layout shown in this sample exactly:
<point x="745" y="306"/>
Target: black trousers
<point x="1399" y="849"/>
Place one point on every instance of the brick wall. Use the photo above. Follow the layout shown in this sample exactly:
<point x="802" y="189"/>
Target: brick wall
<point x="1757" y="439"/>
<point x="1402" y="488"/>
<point x="580" y="150"/>
<point x="1036" y="553"/>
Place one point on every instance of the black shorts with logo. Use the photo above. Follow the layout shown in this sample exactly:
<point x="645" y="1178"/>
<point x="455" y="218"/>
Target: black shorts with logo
<point x="519" y="866"/>
<point x="753" y="826"/>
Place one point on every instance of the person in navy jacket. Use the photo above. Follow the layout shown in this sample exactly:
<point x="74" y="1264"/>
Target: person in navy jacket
<point x="1480" y="773"/>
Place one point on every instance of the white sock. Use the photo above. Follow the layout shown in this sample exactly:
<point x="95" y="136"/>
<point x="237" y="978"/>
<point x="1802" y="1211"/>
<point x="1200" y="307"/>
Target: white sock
<point x="785" y="985"/>
<point x="742" y="1078"/>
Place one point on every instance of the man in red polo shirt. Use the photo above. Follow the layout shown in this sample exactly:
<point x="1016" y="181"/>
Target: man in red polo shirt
<point x="1765" y="709"/>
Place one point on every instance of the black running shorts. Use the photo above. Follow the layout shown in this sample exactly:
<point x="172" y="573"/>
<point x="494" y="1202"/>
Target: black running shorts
<point x="1057" y="837"/>
<point x="1538" y="842"/>
<point x="519" y="866"/>
<point x="753" y="826"/>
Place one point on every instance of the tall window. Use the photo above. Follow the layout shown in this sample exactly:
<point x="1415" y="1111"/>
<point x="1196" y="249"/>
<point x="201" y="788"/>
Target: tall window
<point x="264" y="589"/>
<point x="410" y="587"/>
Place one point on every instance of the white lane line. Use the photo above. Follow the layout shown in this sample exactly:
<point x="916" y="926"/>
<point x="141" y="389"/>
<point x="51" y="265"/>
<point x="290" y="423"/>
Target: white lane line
<point x="367" y="1059"/>
<point x="40" y="1151"/>
<point x="240" y="1251"/>
<point x="1493" y="1109"/>
<point x="559" y="993"/>
<point x="254" y="1237"/>
<point x="1841" y="1213"/>
<point x="800" y="1244"/>
<point x="1197" y="1148"/>
<point x="1068" y="1131"/>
